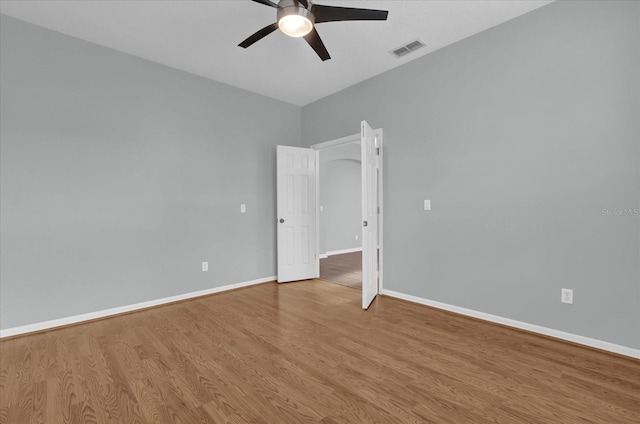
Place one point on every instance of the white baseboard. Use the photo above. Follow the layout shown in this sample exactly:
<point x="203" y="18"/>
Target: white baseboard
<point x="323" y="256"/>
<point x="599" y="344"/>
<point x="47" y="325"/>
<point x="340" y="252"/>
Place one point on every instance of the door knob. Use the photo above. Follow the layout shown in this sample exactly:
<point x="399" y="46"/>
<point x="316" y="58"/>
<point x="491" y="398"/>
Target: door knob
<point x="281" y="221"/>
<point x="365" y="223"/>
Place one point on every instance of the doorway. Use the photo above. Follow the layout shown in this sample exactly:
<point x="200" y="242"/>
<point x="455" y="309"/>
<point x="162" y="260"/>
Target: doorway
<point x="371" y="210"/>
<point x="340" y="213"/>
<point x="298" y="211"/>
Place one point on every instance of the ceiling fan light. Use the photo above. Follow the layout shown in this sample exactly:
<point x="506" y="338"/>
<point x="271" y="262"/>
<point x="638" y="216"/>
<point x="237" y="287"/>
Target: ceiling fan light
<point x="295" y="25"/>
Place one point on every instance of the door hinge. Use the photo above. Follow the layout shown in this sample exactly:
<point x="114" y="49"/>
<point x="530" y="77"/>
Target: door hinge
<point x="377" y="151"/>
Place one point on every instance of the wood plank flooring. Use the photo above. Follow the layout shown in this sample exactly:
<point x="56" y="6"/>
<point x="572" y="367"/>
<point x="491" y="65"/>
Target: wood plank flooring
<point x="305" y="352"/>
<point x="345" y="269"/>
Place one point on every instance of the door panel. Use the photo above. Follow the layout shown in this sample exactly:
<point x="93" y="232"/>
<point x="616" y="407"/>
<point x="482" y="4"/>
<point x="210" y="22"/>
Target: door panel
<point x="369" y="215"/>
<point x="296" y="186"/>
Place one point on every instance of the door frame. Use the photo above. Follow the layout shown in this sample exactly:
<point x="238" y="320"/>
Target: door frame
<point x="338" y="142"/>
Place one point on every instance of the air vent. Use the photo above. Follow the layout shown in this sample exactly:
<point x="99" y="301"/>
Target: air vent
<point x="407" y="48"/>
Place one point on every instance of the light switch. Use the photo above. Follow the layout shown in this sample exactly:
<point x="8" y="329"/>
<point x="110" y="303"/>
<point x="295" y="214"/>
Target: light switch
<point x="243" y="208"/>
<point x="321" y="208"/>
<point x="427" y="205"/>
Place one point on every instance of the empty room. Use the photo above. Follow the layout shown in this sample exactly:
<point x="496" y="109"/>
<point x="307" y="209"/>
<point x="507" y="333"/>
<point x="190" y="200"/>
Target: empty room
<point x="327" y="211"/>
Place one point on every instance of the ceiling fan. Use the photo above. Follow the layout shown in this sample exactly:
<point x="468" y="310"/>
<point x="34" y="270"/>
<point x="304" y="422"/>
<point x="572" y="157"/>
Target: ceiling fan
<point x="297" y="18"/>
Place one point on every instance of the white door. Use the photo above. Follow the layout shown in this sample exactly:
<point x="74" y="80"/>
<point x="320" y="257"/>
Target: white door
<point x="296" y="192"/>
<point x="369" y="214"/>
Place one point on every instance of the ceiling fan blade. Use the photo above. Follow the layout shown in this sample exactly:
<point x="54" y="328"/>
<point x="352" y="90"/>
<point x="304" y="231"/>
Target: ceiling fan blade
<point x="334" y="13"/>
<point x="267" y="3"/>
<point x="303" y="2"/>
<point x="316" y="43"/>
<point x="259" y="35"/>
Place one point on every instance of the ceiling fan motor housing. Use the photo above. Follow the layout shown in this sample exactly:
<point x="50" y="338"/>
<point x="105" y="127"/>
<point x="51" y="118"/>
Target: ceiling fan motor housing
<point x="290" y="7"/>
<point x="294" y="19"/>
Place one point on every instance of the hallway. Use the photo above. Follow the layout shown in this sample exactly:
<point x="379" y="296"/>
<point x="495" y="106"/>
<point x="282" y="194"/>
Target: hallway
<point x="345" y="269"/>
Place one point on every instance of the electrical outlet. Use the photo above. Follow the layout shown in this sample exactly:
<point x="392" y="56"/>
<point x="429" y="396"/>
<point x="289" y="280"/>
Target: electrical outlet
<point x="205" y="266"/>
<point x="567" y="296"/>
<point x="243" y="208"/>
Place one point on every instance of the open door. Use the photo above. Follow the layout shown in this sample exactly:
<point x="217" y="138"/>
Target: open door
<point x="369" y="214"/>
<point x="296" y="202"/>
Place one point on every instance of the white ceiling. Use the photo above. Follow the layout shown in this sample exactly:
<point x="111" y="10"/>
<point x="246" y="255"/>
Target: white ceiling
<point x="201" y="37"/>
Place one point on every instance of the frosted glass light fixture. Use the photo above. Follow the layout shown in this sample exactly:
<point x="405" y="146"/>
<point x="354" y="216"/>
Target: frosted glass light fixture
<point x="295" y="21"/>
<point x="295" y="25"/>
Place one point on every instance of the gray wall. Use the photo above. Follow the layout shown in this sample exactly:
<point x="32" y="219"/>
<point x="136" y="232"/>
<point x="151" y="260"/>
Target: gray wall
<point x="120" y="176"/>
<point x="341" y="198"/>
<point x="520" y="136"/>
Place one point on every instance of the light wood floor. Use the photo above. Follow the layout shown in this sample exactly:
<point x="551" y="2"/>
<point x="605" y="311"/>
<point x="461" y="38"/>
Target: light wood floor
<point x="345" y="269"/>
<point x="306" y="353"/>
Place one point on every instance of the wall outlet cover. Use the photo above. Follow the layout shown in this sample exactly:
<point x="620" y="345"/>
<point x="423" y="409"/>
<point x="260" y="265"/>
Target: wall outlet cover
<point x="205" y="266"/>
<point x="567" y="296"/>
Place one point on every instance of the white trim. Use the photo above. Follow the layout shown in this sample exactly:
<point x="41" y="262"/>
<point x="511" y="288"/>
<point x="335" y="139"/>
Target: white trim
<point x="336" y="142"/>
<point x="320" y="255"/>
<point x="46" y="325"/>
<point x="343" y="251"/>
<point x="380" y="214"/>
<point x="599" y="344"/>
